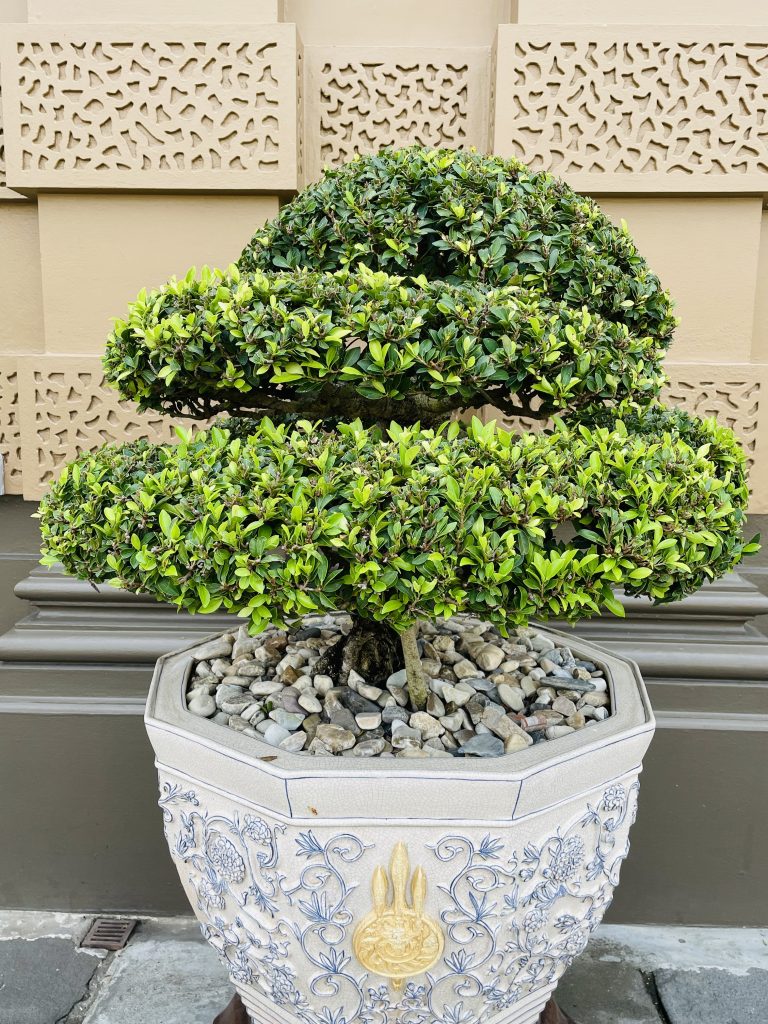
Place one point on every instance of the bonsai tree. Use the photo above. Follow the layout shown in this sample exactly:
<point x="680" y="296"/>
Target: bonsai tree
<point x="400" y="290"/>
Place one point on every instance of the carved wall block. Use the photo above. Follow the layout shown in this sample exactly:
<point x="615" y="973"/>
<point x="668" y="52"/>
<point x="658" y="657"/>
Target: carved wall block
<point x="171" y="107"/>
<point x="359" y="99"/>
<point x="5" y="192"/>
<point x="66" y="409"/>
<point x="638" y="110"/>
<point x="737" y="396"/>
<point x="10" y="427"/>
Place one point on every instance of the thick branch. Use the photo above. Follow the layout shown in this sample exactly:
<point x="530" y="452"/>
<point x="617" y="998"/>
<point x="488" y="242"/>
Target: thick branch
<point x="344" y="402"/>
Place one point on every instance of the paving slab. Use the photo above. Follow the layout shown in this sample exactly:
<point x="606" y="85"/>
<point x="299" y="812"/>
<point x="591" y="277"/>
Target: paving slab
<point x="165" y="975"/>
<point x="714" y="996"/>
<point x="605" y="993"/>
<point x="42" y="979"/>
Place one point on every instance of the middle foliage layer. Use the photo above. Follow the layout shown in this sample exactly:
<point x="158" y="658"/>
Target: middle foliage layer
<point x="367" y="344"/>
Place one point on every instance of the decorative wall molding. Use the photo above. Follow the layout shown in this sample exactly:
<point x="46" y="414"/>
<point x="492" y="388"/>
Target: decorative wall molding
<point x="192" y="12"/>
<point x="636" y="110"/>
<point x="156" y="107"/>
<point x="359" y="99"/>
<point x="66" y="409"/>
<point x="707" y="636"/>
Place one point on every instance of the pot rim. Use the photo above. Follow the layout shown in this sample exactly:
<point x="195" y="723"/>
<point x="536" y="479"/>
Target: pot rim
<point x="631" y="716"/>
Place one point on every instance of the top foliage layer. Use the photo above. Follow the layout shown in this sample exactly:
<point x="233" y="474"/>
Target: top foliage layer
<point x="506" y="262"/>
<point x="456" y="216"/>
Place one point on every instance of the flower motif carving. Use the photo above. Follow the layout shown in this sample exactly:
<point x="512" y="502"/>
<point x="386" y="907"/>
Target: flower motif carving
<point x="280" y="905"/>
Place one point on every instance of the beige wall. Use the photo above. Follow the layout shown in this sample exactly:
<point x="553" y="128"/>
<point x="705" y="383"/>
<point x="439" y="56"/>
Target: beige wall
<point x="706" y="253"/>
<point x="21" y="321"/>
<point x="97" y="252"/>
<point x="139" y="140"/>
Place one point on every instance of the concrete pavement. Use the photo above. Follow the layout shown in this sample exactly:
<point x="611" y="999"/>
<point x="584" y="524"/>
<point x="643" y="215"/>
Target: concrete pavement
<point x="167" y="975"/>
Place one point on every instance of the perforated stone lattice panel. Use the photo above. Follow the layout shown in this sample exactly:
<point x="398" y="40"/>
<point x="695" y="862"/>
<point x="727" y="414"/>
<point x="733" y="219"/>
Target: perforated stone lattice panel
<point x="736" y="396"/>
<point x="10" y="426"/>
<point x="156" y="107"/>
<point x="624" y="109"/>
<point x="66" y="409"/>
<point x="358" y="99"/>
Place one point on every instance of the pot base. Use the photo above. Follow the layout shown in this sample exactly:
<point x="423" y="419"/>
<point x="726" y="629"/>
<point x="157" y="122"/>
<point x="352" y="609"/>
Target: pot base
<point x="235" y="1013"/>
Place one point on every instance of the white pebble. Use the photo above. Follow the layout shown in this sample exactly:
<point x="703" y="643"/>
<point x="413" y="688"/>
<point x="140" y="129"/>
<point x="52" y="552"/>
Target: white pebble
<point x="275" y="734"/>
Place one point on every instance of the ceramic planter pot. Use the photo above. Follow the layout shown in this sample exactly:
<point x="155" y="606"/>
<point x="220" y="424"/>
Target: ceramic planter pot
<point x="338" y="890"/>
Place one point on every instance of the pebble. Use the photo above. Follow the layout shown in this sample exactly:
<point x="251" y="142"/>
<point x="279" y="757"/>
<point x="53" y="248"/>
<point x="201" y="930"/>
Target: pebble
<point x="426" y="725"/>
<point x="287" y="719"/>
<point x="368" y="720"/>
<point x="239" y="724"/>
<point x="573" y="684"/>
<point x="518" y="740"/>
<point x="552" y="732"/>
<point x="356" y="703"/>
<point x="371" y="692"/>
<point x="394" y="713"/>
<point x="316" y="747"/>
<point x="295" y="742"/>
<point x="487" y="695"/>
<point x="483" y="746"/>
<point x="265" y="687"/>
<point x="236" y="705"/>
<point x="404" y="736"/>
<point x="563" y="706"/>
<point x="453" y="695"/>
<point x="275" y="734"/>
<point x="464" y="669"/>
<point x="253" y="713"/>
<point x="512" y="697"/>
<point x="397" y="680"/>
<point x="370" y="748"/>
<point x="226" y="692"/>
<point x="435" y="706"/>
<point x="334" y="737"/>
<point x="202" y="705"/>
<point x="595" y="700"/>
<point x="489" y="657"/>
<point x="219" y="647"/>
<point x="322" y="684"/>
<point x="310" y="703"/>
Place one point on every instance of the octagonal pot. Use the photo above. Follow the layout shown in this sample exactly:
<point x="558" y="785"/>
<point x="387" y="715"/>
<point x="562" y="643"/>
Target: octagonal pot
<point x="338" y="890"/>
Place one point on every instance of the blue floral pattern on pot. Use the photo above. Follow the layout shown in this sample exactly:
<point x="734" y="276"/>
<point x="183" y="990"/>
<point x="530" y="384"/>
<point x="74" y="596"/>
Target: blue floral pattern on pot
<point x="279" y="903"/>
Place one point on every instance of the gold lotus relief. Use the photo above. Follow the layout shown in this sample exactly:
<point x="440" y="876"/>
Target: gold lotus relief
<point x="397" y="939"/>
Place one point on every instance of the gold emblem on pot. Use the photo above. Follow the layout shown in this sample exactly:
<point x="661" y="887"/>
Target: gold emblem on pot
<point x="396" y="939"/>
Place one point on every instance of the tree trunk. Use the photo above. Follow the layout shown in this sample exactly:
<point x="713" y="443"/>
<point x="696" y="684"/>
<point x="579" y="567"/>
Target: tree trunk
<point x="371" y="648"/>
<point x="417" y="684"/>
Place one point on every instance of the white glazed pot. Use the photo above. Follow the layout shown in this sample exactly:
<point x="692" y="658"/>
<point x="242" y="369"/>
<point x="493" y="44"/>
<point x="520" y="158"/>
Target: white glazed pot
<point x="491" y="872"/>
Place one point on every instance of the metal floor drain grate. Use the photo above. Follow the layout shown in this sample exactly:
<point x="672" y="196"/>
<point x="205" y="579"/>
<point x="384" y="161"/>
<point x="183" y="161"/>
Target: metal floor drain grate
<point x="108" y="933"/>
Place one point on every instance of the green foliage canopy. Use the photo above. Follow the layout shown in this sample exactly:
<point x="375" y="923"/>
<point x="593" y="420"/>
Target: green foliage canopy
<point x="402" y="287"/>
<point x="289" y="519"/>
